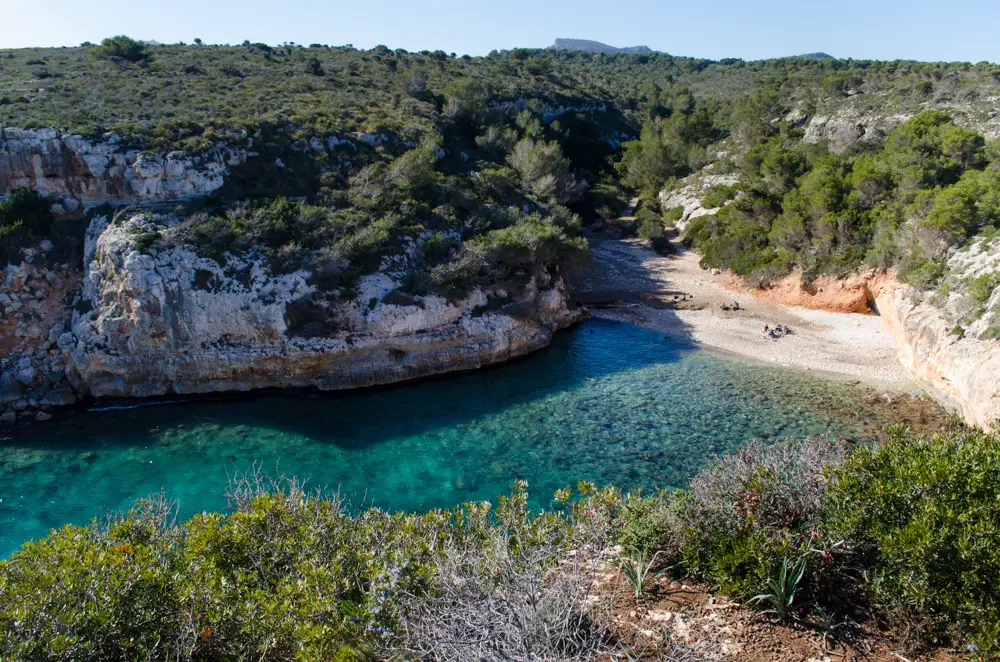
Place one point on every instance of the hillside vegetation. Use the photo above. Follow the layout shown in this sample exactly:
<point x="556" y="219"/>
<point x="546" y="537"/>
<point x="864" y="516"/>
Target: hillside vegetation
<point x="462" y="148"/>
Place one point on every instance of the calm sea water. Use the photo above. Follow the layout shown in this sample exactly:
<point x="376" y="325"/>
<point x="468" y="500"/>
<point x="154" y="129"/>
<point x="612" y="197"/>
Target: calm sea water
<point x="607" y="402"/>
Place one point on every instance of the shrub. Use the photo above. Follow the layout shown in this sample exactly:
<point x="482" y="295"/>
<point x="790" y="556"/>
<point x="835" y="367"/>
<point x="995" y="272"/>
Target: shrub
<point x="924" y="517"/>
<point x="125" y="48"/>
<point x="653" y="524"/>
<point x="747" y="513"/>
<point x="717" y="196"/>
<point x="673" y="214"/>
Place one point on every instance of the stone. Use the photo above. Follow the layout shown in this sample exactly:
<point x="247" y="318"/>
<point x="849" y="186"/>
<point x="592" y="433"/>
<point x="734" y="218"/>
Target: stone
<point x="80" y="172"/>
<point x="67" y="341"/>
<point x="9" y="417"/>
<point x="45" y="245"/>
<point x="10" y="389"/>
<point x="19" y="405"/>
<point x="963" y="372"/>
<point x="58" y="398"/>
<point x="42" y="416"/>
<point x="26" y="375"/>
<point x="689" y="195"/>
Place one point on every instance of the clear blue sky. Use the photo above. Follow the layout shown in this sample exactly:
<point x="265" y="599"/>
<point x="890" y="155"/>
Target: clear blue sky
<point x="966" y="30"/>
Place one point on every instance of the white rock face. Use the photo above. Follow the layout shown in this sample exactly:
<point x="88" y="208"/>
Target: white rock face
<point x="174" y="322"/>
<point x="963" y="372"/>
<point x="848" y="126"/>
<point x="80" y="172"/>
<point x="978" y="261"/>
<point x="690" y="194"/>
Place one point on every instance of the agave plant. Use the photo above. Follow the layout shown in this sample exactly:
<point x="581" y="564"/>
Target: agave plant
<point x="782" y="590"/>
<point x="637" y="568"/>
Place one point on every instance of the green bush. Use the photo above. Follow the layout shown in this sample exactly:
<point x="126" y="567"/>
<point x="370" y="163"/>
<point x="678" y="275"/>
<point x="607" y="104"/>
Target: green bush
<point x="717" y="196"/>
<point x="924" y="518"/>
<point x="748" y="513"/>
<point x="673" y="215"/>
<point x="123" y="47"/>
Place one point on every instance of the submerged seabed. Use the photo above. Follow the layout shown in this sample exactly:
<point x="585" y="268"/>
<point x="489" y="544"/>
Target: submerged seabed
<point x="607" y="402"/>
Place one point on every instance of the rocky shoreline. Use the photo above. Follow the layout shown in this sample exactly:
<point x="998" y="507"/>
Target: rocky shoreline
<point x="140" y="324"/>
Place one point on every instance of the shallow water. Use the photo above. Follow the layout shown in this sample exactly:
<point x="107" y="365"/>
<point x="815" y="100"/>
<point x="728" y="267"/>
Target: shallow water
<point x="607" y="402"/>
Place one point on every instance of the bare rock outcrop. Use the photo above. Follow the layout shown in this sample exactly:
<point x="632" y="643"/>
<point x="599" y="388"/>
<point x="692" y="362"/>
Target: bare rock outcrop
<point x="81" y="173"/>
<point x="689" y="196"/>
<point x="172" y="322"/>
<point x="844" y="128"/>
<point x="961" y="371"/>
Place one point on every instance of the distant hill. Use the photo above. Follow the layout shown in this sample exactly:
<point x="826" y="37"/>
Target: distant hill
<point x="597" y="47"/>
<point x="815" y="56"/>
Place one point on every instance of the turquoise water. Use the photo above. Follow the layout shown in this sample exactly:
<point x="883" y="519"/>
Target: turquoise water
<point x="607" y="402"/>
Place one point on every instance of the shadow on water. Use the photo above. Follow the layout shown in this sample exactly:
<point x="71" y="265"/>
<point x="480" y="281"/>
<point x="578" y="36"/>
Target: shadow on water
<point x="367" y="417"/>
<point x="429" y="444"/>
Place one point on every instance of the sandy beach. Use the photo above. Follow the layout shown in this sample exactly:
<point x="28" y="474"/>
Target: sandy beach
<point x="628" y="281"/>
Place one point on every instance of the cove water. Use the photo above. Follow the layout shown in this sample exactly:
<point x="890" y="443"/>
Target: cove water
<point x="608" y="403"/>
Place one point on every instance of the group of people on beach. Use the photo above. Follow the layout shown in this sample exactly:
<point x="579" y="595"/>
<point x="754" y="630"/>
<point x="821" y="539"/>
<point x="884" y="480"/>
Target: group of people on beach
<point x="779" y="331"/>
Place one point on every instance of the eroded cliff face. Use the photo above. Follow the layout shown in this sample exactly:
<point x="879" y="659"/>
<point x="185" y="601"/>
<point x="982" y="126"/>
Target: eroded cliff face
<point x="80" y="173"/>
<point x="963" y="372"/>
<point x="172" y="322"/>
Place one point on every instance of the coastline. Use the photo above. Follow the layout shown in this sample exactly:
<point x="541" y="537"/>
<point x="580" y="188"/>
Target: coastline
<point x="672" y="294"/>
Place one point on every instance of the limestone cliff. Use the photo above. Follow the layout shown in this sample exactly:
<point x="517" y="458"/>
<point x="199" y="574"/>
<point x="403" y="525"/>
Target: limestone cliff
<point x="963" y="372"/>
<point x="81" y="173"/>
<point x="172" y="322"/>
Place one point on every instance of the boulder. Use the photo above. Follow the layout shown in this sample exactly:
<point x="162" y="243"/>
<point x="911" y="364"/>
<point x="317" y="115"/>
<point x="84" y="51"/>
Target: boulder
<point x="10" y="389"/>
<point x="26" y="375"/>
<point x="67" y="341"/>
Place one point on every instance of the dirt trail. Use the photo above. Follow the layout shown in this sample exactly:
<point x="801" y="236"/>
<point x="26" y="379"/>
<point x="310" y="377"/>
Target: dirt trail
<point x="628" y="281"/>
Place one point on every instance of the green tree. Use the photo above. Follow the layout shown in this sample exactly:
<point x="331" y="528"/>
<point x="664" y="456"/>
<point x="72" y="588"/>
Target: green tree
<point x="125" y="48"/>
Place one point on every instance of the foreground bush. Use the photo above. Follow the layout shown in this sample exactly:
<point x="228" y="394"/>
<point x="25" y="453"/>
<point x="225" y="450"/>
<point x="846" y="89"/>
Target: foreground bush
<point x="907" y="533"/>
<point x="749" y="512"/>
<point x="925" y="517"/>
<point x="289" y="575"/>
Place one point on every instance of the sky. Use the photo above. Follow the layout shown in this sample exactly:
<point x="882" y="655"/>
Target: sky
<point x="935" y="30"/>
